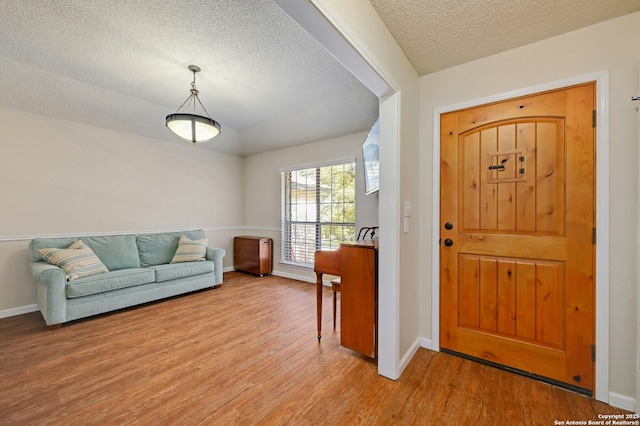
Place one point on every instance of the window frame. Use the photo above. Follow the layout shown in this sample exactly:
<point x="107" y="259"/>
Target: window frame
<point x="286" y="221"/>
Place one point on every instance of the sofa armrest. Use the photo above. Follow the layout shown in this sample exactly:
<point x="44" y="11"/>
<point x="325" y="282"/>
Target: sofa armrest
<point x="216" y="254"/>
<point x="51" y="293"/>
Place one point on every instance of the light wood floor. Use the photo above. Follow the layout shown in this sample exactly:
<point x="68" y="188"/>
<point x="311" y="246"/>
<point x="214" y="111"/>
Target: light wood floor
<point x="247" y="353"/>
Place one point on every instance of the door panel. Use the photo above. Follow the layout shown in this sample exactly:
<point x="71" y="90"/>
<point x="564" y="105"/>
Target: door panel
<point x="517" y="184"/>
<point x="489" y="288"/>
<point x="509" y="182"/>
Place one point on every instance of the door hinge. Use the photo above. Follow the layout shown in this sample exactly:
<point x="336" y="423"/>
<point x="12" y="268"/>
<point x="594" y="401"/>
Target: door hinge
<point x="593" y="353"/>
<point x="593" y="235"/>
<point x="594" y="118"/>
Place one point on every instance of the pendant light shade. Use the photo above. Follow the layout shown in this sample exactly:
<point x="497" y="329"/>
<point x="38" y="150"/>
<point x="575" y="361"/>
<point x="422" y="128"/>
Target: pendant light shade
<point x="196" y="128"/>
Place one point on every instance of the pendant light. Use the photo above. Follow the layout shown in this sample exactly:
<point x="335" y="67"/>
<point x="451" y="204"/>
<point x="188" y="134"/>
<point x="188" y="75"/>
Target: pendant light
<point x="193" y="127"/>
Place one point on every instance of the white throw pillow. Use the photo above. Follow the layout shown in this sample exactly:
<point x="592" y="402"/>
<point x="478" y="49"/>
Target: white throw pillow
<point x="77" y="260"/>
<point x="190" y="250"/>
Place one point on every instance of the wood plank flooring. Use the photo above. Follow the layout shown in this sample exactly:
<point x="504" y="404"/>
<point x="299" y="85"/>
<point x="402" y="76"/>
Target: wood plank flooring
<point x="247" y="353"/>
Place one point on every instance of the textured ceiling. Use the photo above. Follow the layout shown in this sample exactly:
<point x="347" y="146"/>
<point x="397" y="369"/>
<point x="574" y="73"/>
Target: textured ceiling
<point x="438" y="34"/>
<point x="122" y="65"/>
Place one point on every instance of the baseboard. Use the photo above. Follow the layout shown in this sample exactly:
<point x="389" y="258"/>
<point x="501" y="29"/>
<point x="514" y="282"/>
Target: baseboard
<point x="294" y="277"/>
<point x="621" y="401"/>
<point x="283" y="275"/>
<point x="18" y="311"/>
<point x="408" y="356"/>
<point x="427" y="344"/>
<point x="420" y="342"/>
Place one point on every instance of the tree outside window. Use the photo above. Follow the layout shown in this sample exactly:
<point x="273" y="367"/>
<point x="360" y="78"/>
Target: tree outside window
<point x="318" y="210"/>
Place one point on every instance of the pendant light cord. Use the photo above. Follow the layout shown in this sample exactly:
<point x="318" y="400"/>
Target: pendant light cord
<point x="194" y="94"/>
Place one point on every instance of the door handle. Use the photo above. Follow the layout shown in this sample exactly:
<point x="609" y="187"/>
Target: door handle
<point x="500" y="167"/>
<point x="448" y="242"/>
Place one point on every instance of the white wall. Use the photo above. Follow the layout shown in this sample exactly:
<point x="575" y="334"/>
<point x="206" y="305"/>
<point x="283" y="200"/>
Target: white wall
<point x="262" y="191"/>
<point x="72" y="179"/>
<point x="64" y="178"/>
<point x="613" y="46"/>
<point x="399" y="256"/>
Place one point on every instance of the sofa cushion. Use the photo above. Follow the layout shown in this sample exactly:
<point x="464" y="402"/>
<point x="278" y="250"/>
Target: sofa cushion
<point x="158" y="249"/>
<point x="109" y="281"/>
<point x="189" y="250"/>
<point x="77" y="261"/>
<point x="115" y="251"/>
<point x="180" y="270"/>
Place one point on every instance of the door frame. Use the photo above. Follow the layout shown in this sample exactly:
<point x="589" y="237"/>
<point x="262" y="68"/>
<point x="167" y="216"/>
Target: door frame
<point x="602" y="213"/>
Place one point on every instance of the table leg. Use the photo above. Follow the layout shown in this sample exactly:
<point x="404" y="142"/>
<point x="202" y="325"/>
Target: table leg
<point x="319" y="302"/>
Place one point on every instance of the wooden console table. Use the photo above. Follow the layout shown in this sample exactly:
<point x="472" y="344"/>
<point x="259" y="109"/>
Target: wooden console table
<point x="357" y="265"/>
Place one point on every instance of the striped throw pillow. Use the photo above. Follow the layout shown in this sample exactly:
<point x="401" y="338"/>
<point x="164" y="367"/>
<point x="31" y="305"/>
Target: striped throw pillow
<point x="77" y="261"/>
<point x="190" y="251"/>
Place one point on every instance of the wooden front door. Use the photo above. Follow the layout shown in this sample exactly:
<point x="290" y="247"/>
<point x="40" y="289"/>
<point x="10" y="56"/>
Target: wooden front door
<point x="517" y="250"/>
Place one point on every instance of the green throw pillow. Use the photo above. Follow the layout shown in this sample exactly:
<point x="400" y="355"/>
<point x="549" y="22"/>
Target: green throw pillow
<point x="190" y="250"/>
<point x="77" y="261"/>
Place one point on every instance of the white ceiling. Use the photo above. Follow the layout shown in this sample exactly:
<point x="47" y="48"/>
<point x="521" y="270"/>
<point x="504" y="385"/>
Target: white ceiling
<point x="122" y="64"/>
<point x="439" y="34"/>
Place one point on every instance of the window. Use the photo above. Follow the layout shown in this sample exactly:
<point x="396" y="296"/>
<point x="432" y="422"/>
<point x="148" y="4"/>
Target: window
<point x="318" y="210"/>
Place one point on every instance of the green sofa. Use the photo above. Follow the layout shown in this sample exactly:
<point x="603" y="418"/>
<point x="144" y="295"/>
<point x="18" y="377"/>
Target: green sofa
<point x="139" y="271"/>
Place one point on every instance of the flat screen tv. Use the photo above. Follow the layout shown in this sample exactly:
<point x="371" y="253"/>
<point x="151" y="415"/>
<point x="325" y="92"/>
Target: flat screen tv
<point x="371" y="159"/>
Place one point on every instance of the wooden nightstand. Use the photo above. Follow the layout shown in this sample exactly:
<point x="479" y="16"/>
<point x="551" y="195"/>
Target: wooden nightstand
<point x="253" y="255"/>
